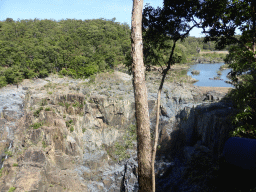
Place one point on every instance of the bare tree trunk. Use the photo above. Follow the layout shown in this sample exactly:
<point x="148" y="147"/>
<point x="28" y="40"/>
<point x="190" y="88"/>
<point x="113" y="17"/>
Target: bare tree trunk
<point x="144" y="147"/>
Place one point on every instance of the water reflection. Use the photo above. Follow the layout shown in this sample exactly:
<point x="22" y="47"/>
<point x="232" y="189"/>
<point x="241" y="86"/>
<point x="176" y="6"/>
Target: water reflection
<point x="207" y="74"/>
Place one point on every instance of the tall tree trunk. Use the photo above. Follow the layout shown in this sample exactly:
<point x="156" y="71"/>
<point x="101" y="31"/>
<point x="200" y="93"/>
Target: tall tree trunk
<point x="144" y="147"/>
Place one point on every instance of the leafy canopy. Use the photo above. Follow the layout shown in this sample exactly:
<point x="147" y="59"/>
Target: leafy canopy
<point x="223" y="18"/>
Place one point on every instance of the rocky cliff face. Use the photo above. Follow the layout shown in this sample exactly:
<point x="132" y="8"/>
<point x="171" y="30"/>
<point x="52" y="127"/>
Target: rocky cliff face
<point x="59" y="134"/>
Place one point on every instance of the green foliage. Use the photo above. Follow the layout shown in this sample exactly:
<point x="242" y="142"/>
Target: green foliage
<point x="69" y="123"/>
<point x="36" y="125"/>
<point x="43" y="73"/>
<point x="9" y="153"/>
<point x="44" y="144"/>
<point x="15" y="164"/>
<point x="36" y="113"/>
<point x="43" y="102"/>
<point x="47" y="109"/>
<point x="3" y="81"/>
<point x="127" y="143"/>
<point x="11" y="189"/>
<point x="67" y="105"/>
<point x="241" y="57"/>
<point x="61" y="104"/>
<point x="83" y="130"/>
<point x="1" y="172"/>
<point x="28" y="73"/>
<point x="13" y="75"/>
<point x="71" y="129"/>
<point x="75" y="48"/>
<point x="76" y="104"/>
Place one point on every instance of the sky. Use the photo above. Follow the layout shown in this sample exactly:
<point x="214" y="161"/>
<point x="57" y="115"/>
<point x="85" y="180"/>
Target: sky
<point x="74" y="9"/>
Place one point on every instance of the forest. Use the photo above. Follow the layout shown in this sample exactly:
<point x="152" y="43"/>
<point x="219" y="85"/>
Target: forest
<point x="75" y="48"/>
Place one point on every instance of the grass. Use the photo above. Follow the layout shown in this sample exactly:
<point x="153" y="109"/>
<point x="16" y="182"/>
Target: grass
<point x="120" y="149"/>
<point x="1" y="171"/>
<point x="36" y="125"/>
<point x="47" y="109"/>
<point x="44" y="144"/>
<point x="36" y="113"/>
<point x="44" y="102"/>
<point x="9" y="153"/>
<point x="11" y="189"/>
<point x="68" y="123"/>
<point x="83" y="130"/>
<point x="76" y="104"/>
<point x="61" y="104"/>
<point x="67" y="105"/>
<point x="15" y="164"/>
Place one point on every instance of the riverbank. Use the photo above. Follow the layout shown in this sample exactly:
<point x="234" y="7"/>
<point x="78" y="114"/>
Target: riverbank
<point x="222" y="90"/>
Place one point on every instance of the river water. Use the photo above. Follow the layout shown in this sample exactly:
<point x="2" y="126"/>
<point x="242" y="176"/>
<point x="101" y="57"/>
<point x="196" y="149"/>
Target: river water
<point x="207" y="71"/>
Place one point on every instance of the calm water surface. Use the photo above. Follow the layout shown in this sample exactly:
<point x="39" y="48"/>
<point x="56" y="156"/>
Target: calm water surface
<point x="209" y="71"/>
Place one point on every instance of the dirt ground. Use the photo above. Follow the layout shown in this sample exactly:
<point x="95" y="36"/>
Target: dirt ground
<point x="223" y="52"/>
<point x="217" y="89"/>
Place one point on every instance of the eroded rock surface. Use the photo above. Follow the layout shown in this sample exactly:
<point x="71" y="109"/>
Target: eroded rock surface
<point x="60" y="134"/>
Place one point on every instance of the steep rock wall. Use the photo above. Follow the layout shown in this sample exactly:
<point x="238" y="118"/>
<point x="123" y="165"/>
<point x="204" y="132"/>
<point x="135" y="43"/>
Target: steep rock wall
<point x="69" y="135"/>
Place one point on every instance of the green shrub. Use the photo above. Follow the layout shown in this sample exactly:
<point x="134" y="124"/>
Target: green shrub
<point x="9" y="153"/>
<point x="44" y="102"/>
<point x="1" y="172"/>
<point x="76" y="104"/>
<point x="36" y="125"/>
<point x="15" y="165"/>
<point x="67" y="105"/>
<point x="61" y="104"/>
<point x="44" y="144"/>
<point x="36" y="113"/>
<point x="13" y="75"/>
<point x="72" y="73"/>
<point x="71" y="129"/>
<point x="47" y="109"/>
<point x="3" y="81"/>
<point x="28" y="73"/>
<point x="43" y="73"/>
<point x="63" y="72"/>
<point x="127" y="143"/>
<point x="68" y="123"/>
<point x="11" y="189"/>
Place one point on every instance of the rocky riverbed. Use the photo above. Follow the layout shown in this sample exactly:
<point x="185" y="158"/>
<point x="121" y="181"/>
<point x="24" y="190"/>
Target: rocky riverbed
<point x="61" y="134"/>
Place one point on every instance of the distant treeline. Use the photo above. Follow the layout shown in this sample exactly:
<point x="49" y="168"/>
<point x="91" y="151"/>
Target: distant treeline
<point x="77" y="48"/>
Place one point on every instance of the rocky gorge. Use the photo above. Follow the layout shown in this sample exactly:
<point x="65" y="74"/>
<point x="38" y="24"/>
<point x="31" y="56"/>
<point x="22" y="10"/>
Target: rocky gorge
<point x="63" y="134"/>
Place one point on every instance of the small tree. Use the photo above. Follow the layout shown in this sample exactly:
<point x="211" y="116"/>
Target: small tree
<point x="171" y="23"/>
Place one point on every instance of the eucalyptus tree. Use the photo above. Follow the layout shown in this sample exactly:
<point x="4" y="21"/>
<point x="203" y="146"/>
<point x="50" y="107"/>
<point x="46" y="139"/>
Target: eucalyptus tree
<point x="144" y="147"/>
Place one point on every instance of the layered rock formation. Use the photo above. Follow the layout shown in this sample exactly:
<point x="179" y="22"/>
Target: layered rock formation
<point x="60" y="134"/>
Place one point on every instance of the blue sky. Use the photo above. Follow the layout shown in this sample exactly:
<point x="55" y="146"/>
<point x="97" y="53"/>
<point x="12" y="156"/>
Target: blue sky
<point x="73" y="9"/>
